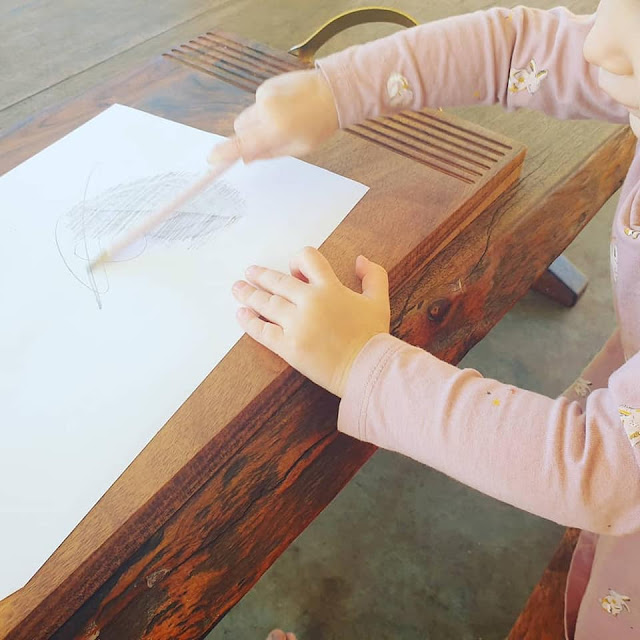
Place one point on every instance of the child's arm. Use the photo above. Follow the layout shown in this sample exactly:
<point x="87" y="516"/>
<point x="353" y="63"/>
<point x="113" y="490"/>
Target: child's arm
<point x="576" y="463"/>
<point x="517" y="58"/>
<point x="576" y="466"/>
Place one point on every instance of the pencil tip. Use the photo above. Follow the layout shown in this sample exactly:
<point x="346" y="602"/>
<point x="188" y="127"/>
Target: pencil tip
<point x="96" y="261"/>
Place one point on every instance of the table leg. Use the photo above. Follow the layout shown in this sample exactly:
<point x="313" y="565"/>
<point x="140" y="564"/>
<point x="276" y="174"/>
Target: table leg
<point x="563" y="282"/>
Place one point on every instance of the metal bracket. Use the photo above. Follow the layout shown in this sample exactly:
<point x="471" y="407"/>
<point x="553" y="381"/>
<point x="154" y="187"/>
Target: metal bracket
<point x="306" y="50"/>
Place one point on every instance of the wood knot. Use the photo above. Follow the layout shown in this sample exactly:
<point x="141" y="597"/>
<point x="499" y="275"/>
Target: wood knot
<point x="438" y="309"/>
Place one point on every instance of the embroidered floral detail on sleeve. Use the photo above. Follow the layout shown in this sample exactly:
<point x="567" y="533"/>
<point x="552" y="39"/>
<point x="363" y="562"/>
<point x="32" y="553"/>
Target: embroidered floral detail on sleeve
<point x="630" y="419"/>
<point x="529" y="78"/>
<point x="613" y="252"/>
<point x="582" y="387"/>
<point x="399" y="90"/>
<point x="615" y="603"/>
<point x="632" y="233"/>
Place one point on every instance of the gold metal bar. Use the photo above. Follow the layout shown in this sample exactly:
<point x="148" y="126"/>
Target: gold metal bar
<point x="306" y="50"/>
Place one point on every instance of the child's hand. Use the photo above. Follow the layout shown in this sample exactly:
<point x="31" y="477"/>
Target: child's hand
<point x="311" y="319"/>
<point x="277" y="634"/>
<point x="293" y="114"/>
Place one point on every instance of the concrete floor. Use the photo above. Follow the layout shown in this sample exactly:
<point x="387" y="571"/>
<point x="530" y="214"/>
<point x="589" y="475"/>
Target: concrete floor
<point x="403" y="552"/>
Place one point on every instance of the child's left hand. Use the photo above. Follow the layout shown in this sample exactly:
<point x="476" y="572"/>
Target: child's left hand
<point x="310" y="319"/>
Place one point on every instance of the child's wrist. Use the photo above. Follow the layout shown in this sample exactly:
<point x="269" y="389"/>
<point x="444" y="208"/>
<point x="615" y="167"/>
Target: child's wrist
<point x="340" y="386"/>
<point x="325" y="100"/>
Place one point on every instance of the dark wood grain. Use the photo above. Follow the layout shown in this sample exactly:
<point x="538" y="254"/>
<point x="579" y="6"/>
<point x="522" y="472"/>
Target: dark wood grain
<point x="472" y="283"/>
<point x="199" y="515"/>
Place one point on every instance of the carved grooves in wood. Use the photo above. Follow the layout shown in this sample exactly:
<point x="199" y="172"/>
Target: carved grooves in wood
<point x="451" y="149"/>
<point x="239" y="64"/>
<point x="422" y="136"/>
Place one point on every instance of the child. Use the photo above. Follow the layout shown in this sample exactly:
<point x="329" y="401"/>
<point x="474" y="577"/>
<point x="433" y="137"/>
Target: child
<point x="580" y="450"/>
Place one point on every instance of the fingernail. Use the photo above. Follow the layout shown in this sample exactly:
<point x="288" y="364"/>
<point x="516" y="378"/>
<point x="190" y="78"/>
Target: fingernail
<point x="237" y="286"/>
<point x="252" y="270"/>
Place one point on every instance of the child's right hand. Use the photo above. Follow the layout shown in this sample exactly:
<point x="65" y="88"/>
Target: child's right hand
<point x="293" y="114"/>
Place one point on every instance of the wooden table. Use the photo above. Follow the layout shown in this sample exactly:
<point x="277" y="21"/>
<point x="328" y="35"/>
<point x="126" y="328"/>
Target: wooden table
<point x="197" y="518"/>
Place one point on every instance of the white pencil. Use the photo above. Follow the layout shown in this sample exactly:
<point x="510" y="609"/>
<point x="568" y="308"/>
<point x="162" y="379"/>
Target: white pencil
<point x="155" y="219"/>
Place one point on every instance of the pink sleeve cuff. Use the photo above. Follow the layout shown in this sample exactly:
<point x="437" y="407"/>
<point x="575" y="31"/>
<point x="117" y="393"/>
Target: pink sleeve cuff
<point x="364" y="375"/>
<point x="346" y="99"/>
<point x="373" y="375"/>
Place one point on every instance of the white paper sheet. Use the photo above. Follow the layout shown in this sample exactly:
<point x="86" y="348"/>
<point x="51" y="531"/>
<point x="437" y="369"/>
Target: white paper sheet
<point x="91" y="369"/>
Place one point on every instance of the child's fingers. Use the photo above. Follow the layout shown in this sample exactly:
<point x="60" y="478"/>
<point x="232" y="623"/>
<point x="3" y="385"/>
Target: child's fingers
<point x="277" y="634"/>
<point x="281" y="284"/>
<point x="251" y="140"/>
<point x="266" y="333"/>
<point x="269" y="306"/>
<point x="313" y="266"/>
<point x="295" y="271"/>
<point x="375" y="281"/>
<point x="225" y="152"/>
<point x="256" y="139"/>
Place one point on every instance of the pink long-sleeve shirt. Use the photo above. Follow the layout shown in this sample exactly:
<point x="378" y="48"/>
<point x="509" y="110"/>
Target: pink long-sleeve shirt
<point x="574" y="459"/>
